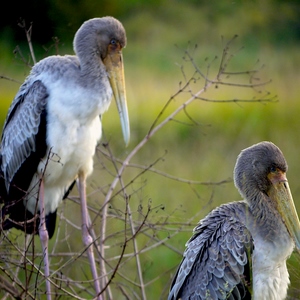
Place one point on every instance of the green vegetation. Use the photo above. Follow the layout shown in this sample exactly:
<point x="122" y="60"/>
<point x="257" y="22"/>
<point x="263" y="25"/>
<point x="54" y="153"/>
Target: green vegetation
<point x="158" y="33"/>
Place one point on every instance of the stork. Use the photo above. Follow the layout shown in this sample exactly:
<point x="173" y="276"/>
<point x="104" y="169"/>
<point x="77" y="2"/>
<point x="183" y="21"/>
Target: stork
<point x="52" y="128"/>
<point x="239" y="250"/>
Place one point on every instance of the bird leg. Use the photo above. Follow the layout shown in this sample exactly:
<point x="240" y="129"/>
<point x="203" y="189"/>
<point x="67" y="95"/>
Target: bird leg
<point x="86" y="237"/>
<point x="44" y="237"/>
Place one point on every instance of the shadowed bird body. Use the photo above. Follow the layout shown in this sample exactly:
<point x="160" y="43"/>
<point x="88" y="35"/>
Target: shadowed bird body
<point x="239" y="250"/>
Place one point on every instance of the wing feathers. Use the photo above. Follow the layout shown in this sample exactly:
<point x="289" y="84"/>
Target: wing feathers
<point x="21" y="127"/>
<point x="215" y="257"/>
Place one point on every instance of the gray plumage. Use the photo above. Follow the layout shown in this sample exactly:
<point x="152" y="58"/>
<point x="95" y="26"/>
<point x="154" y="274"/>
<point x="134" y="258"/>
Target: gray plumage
<point x="215" y="257"/>
<point x="18" y="140"/>
<point x="239" y="250"/>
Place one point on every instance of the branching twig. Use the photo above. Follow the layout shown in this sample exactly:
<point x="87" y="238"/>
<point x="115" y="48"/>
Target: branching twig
<point x="28" y="33"/>
<point x="10" y="79"/>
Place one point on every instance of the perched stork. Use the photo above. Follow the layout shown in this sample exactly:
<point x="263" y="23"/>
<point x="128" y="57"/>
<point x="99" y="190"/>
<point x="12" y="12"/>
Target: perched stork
<point x="52" y="129"/>
<point x="239" y="250"/>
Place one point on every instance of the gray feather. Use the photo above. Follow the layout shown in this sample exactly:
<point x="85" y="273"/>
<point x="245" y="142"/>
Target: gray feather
<point x="215" y="256"/>
<point x="21" y="127"/>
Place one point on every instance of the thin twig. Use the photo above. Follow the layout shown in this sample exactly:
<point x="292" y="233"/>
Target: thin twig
<point x="28" y="33"/>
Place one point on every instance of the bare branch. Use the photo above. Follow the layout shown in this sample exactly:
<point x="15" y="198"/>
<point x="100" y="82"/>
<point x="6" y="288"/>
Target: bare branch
<point x="10" y="79"/>
<point x="28" y="33"/>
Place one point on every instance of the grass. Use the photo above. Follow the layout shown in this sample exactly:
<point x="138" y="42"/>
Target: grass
<point x="205" y="152"/>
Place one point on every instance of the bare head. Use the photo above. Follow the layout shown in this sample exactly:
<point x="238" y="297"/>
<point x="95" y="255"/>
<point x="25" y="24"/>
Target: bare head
<point x="260" y="176"/>
<point x="253" y="166"/>
<point x="97" y="35"/>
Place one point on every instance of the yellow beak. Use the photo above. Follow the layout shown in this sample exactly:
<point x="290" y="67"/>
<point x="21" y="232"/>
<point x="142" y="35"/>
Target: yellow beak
<point x="115" y="70"/>
<point x="281" y="194"/>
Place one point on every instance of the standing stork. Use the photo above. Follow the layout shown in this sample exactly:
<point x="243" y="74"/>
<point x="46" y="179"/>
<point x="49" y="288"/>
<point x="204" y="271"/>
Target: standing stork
<point x="239" y="250"/>
<point x="52" y="129"/>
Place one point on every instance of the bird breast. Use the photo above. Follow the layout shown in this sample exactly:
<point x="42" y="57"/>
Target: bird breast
<point x="70" y="151"/>
<point x="73" y="131"/>
<point x="270" y="274"/>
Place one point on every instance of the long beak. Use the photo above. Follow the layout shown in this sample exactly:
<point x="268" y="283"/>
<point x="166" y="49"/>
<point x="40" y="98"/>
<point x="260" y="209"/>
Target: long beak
<point x="115" y="70"/>
<point x="281" y="194"/>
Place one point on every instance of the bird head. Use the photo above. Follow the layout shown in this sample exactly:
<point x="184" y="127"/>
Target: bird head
<point x="260" y="175"/>
<point x="106" y="38"/>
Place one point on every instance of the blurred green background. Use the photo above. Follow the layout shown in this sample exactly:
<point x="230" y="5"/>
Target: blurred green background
<point x="158" y="33"/>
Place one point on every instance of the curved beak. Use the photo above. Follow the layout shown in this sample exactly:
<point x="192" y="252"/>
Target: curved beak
<point x="115" y="70"/>
<point x="280" y="193"/>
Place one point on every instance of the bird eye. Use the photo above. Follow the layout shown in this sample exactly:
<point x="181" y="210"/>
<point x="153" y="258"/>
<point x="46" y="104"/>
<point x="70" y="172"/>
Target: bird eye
<point x="273" y="169"/>
<point x="113" y="41"/>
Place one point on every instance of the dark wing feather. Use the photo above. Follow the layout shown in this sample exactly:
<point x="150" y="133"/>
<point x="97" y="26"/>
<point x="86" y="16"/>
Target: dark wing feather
<point x="215" y="260"/>
<point x="23" y="145"/>
<point x="21" y="128"/>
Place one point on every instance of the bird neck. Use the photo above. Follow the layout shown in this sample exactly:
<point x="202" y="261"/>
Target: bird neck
<point x="92" y="67"/>
<point x="265" y="220"/>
